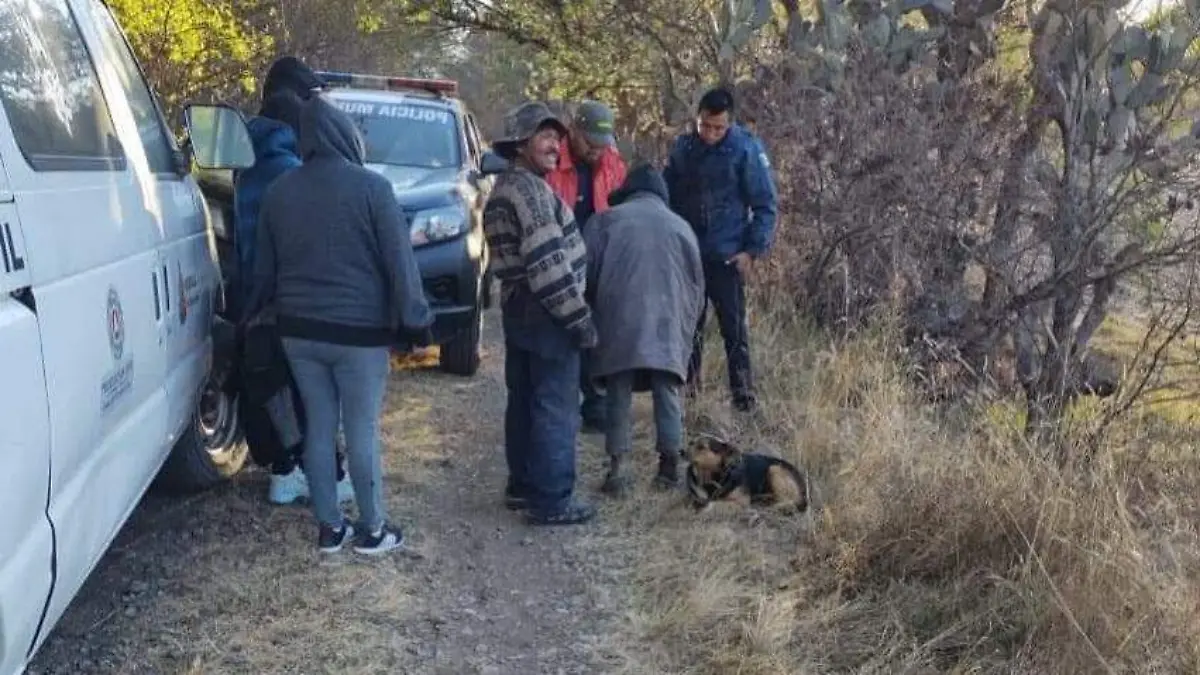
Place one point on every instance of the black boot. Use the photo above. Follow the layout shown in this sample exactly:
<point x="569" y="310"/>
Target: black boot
<point x="616" y="482"/>
<point x="668" y="470"/>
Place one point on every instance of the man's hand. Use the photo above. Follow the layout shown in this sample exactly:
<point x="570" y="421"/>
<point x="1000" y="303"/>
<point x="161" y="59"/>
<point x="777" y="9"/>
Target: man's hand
<point x="743" y="262"/>
<point x="586" y="336"/>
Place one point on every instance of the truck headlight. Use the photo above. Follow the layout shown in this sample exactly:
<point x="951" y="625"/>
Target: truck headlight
<point x="440" y="224"/>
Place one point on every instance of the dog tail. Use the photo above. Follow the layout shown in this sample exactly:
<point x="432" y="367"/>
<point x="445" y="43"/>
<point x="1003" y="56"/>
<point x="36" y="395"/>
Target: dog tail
<point x="805" y="486"/>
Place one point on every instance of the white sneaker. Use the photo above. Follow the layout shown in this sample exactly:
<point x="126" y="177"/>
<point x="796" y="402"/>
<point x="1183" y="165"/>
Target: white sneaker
<point x="288" y="488"/>
<point x="345" y="490"/>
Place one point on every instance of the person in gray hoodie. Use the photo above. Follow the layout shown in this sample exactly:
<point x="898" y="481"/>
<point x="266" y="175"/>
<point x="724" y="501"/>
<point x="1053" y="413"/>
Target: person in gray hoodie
<point x="335" y="260"/>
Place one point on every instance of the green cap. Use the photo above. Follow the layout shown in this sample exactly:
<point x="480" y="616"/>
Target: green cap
<point x="595" y="121"/>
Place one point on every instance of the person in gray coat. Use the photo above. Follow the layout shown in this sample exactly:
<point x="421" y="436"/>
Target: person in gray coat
<point x="335" y="260"/>
<point x="646" y="287"/>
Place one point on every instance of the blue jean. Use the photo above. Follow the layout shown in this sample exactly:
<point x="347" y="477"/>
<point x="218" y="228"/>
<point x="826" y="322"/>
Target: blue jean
<point x="541" y="420"/>
<point x="668" y="412"/>
<point x="350" y="383"/>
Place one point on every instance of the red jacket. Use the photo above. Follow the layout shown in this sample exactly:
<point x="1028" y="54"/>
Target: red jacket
<point x="607" y="176"/>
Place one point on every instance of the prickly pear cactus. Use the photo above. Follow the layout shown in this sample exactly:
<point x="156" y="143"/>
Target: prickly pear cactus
<point x="1101" y="74"/>
<point x="880" y="25"/>
<point x="739" y="21"/>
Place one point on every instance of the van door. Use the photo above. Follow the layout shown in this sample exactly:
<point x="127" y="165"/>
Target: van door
<point x="92" y="233"/>
<point x="26" y="540"/>
<point x="187" y="278"/>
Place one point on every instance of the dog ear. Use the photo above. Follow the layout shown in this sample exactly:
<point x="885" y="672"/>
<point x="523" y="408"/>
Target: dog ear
<point x="723" y="448"/>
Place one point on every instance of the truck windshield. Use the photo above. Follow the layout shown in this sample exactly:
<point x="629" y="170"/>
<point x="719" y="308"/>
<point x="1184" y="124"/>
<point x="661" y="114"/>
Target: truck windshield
<point x="405" y="134"/>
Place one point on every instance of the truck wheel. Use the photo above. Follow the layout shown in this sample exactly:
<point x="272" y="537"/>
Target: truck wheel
<point x="461" y="355"/>
<point x="211" y="449"/>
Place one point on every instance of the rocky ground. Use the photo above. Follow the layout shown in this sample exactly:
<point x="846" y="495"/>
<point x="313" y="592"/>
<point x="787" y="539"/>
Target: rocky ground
<point x="226" y="583"/>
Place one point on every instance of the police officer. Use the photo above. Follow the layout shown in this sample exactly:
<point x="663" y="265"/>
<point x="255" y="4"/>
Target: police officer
<point x="720" y="181"/>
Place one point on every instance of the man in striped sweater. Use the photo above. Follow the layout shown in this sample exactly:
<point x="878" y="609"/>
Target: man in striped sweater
<point x="539" y="258"/>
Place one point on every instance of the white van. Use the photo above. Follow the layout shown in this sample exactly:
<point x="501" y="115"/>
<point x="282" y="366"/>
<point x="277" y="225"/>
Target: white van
<point x="108" y="287"/>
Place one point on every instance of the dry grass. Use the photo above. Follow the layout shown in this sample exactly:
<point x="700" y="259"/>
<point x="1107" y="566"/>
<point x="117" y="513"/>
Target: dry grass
<point x="942" y="545"/>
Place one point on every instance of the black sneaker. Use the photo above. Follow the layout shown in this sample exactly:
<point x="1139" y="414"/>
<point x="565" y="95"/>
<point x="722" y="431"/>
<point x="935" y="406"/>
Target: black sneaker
<point x="331" y="540"/>
<point x="385" y="540"/>
<point x="575" y="513"/>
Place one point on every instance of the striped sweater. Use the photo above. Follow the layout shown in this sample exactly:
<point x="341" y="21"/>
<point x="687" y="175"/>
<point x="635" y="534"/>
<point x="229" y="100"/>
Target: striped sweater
<point x="535" y="243"/>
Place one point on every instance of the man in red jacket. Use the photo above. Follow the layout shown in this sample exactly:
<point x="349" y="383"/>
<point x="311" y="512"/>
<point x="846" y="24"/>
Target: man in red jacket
<point x="589" y="169"/>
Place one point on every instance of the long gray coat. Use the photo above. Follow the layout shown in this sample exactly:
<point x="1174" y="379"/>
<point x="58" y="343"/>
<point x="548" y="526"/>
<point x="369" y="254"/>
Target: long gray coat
<point x="645" y="281"/>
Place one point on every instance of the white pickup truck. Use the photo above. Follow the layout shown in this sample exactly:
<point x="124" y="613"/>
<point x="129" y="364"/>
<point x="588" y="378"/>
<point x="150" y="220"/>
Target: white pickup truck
<point x="108" y="287"/>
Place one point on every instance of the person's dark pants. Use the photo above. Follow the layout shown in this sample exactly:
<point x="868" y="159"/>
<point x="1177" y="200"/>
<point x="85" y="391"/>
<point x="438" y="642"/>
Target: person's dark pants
<point x="593" y="409"/>
<point x="725" y="291"/>
<point x="263" y="439"/>
<point x="541" y="420"/>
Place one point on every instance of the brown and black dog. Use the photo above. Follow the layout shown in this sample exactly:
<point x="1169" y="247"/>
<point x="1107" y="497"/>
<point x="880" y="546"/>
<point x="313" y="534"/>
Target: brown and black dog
<point x="719" y="472"/>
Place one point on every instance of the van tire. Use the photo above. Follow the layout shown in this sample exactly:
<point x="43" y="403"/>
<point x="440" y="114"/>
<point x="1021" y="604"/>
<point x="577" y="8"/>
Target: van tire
<point x="461" y="356"/>
<point x="205" y="457"/>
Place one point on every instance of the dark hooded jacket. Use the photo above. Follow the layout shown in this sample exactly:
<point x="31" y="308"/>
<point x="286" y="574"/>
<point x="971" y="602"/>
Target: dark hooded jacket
<point x="645" y="281"/>
<point x="273" y="134"/>
<point x="334" y="255"/>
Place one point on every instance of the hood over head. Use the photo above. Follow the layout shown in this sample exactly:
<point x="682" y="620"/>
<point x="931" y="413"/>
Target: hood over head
<point x="283" y="106"/>
<point x="644" y="179"/>
<point x="326" y="132"/>
<point x="292" y="74"/>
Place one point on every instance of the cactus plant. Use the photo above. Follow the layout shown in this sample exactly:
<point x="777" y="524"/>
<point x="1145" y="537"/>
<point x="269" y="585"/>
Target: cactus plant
<point x="881" y="26"/>
<point x="1101" y="73"/>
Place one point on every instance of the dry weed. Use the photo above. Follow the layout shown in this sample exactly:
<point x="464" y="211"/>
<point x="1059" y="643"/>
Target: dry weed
<point x="938" y="547"/>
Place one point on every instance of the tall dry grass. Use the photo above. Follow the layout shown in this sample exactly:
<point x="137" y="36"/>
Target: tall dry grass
<point x="942" y="542"/>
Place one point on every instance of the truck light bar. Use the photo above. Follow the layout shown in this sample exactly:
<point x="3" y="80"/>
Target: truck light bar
<point x="433" y="86"/>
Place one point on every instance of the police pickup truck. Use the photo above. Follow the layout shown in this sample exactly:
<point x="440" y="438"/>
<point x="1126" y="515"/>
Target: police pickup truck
<point x="108" y="288"/>
<point x="422" y="138"/>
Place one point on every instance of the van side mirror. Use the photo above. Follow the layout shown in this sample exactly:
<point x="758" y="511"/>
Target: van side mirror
<point x="492" y="164"/>
<point x="218" y="137"/>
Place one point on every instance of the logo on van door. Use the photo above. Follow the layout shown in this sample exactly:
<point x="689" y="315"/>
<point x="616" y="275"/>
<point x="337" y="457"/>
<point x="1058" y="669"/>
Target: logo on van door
<point x="116" y="325"/>
<point x="119" y="381"/>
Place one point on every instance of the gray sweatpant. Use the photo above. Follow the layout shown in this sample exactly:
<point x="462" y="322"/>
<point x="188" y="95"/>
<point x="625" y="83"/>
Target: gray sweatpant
<point x="668" y="413"/>
<point x="350" y="382"/>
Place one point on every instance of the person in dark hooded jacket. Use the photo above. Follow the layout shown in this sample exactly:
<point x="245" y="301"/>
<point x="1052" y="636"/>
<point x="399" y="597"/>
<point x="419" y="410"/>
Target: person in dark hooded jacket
<point x="335" y="262"/>
<point x="273" y="132"/>
<point x="646" y="288"/>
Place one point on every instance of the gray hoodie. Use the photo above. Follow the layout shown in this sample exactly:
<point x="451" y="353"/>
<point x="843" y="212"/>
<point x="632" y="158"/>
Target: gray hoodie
<point x="334" y="254"/>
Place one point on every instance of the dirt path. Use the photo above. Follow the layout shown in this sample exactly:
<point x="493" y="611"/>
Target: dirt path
<point x="225" y="583"/>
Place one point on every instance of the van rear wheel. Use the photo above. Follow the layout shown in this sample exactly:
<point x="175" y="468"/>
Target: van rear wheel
<point x="211" y="449"/>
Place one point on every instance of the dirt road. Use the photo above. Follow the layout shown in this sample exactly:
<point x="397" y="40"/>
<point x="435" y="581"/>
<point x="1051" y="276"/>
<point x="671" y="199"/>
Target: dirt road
<point x="225" y="583"/>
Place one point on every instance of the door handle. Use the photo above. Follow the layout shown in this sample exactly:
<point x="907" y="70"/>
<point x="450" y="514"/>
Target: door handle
<point x="166" y="288"/>
<point x="157" y="296"/>
<point x="7" y="197"/>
